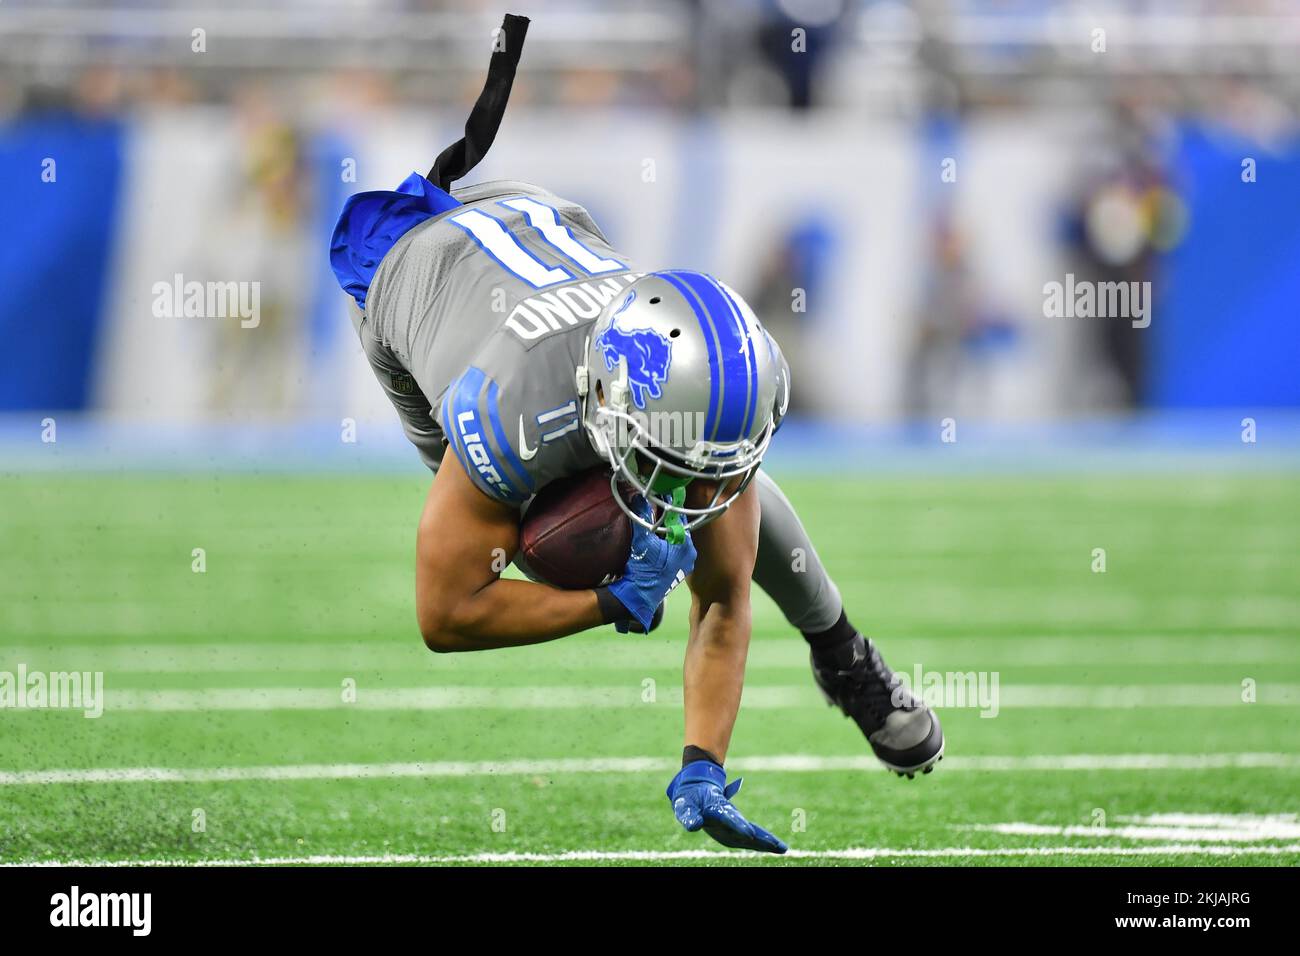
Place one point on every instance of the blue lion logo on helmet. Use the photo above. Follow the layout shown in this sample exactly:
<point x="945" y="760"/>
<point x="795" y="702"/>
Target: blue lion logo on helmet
<point x="647" y="352"/>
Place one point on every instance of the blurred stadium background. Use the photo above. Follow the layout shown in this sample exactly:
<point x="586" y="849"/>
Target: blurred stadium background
<point x="817" y="182"/>
<point x="892" y="197"/>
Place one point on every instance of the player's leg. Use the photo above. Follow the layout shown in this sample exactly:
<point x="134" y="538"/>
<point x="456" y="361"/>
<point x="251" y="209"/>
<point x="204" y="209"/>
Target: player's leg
<point x="791" y="572"/>
<point x="902" y="731"/>
<point x="403" y="390"/>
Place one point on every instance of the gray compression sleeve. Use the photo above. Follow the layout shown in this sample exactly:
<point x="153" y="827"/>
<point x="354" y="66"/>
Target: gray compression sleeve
<point x="788" y="567"/>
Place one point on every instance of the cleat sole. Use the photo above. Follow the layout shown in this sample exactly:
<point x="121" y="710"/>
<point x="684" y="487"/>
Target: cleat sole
<point x="922" y="768"/>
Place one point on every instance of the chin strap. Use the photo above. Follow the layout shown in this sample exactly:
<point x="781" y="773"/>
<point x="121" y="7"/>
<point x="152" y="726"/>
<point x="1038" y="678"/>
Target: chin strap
<point x="673" y="490"/>
<point x="673" y="521"/>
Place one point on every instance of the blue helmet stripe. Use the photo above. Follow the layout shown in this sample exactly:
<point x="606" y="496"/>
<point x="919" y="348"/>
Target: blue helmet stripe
<point x="503" y="443"/>
<point x="711" y="420"/>
<point x="751" y="359"/>
<point x="735" y="356"/>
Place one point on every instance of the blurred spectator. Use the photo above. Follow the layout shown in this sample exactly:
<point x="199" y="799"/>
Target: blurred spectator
<point x="1123" y="218"/>
<point x="795" y="273"/>
<point x="263" y="237"/>
<point x="956" y="331"/>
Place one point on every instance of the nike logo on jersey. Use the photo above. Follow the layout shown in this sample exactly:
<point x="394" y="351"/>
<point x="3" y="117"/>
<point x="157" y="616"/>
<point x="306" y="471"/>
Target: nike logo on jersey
<point x="525" y="452"/>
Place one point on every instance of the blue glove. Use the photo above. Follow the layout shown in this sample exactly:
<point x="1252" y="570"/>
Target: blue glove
<point x="633" y="627"/>
<point x="701" y="799"/>
<point x="654" y="567"/>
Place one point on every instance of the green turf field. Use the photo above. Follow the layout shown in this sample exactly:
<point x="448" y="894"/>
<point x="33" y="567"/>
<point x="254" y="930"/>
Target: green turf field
<point x="1121" y="734"/>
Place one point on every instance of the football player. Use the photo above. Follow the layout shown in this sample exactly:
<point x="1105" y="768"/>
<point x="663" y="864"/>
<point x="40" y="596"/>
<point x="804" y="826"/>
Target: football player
<point x="518" y="346"/>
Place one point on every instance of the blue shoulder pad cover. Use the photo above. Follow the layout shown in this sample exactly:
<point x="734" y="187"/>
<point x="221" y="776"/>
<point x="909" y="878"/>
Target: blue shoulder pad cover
<point x="471" y="420"/>
<point x="371" y="222"/>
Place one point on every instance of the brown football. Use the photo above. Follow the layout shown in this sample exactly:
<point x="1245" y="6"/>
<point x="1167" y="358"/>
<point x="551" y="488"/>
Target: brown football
<point x="574" y="535"/>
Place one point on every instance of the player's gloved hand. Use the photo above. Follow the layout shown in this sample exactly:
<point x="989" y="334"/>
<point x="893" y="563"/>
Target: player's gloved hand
<point x="701" y="799"/>
<point x="654" y="567"/>
<point x="634" y="627"/>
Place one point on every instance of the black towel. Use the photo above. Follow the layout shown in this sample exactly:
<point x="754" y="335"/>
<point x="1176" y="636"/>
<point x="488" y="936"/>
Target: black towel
<point x="484" y="119"/>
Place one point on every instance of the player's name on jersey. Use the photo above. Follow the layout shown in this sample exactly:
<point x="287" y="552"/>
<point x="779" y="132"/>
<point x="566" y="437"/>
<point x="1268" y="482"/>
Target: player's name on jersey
<point x="563" y="308"/>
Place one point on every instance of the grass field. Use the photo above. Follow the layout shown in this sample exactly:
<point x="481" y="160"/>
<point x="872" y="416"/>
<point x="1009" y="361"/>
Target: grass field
<point x="1121" y="734"/>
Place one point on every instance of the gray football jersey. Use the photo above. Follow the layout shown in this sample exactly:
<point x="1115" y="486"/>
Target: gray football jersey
<point x="474" y="324"/>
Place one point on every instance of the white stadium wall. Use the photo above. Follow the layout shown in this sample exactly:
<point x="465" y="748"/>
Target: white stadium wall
<point x="705" y="193"/>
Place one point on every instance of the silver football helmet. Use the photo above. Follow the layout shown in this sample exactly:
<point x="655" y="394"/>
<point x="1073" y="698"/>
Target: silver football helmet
<point x="681" y="382"/>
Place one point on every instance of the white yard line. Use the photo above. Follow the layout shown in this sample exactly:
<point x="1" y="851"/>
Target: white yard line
<point x="669" y="856"/>
<point x="1247" y="820"/>
<point x="1221" y="761"/>
<point x="1166" y="827"/>
<point x="1117" y="697"/>
<point x="631" y="695"/>
<point x="1224" y="834"/>
<point x="636" y="656"/>
<point x="610" y="765"/>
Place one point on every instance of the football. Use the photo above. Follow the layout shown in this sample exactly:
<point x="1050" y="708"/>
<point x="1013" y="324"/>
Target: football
<point x="574" y="534"/>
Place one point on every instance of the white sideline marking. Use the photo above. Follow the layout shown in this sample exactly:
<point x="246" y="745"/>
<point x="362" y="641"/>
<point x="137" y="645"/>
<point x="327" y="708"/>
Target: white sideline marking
<point x="666" y="856"/>
<point x="787" y="763"/>
<point x="566" y="697"/>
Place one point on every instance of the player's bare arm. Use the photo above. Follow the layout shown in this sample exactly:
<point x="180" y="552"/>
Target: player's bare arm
<point x="714" y="672"/>
<point x="462" y="602"/>
<point x="720" y="624"/>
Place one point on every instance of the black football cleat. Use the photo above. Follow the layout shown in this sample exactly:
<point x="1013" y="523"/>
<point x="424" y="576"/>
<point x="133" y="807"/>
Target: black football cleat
<point x="903" y="732"/>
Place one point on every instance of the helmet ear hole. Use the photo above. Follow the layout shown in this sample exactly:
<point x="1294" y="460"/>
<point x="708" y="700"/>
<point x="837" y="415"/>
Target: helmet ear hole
<point x="674" y="333"/>
<point x="600" y="392"/>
